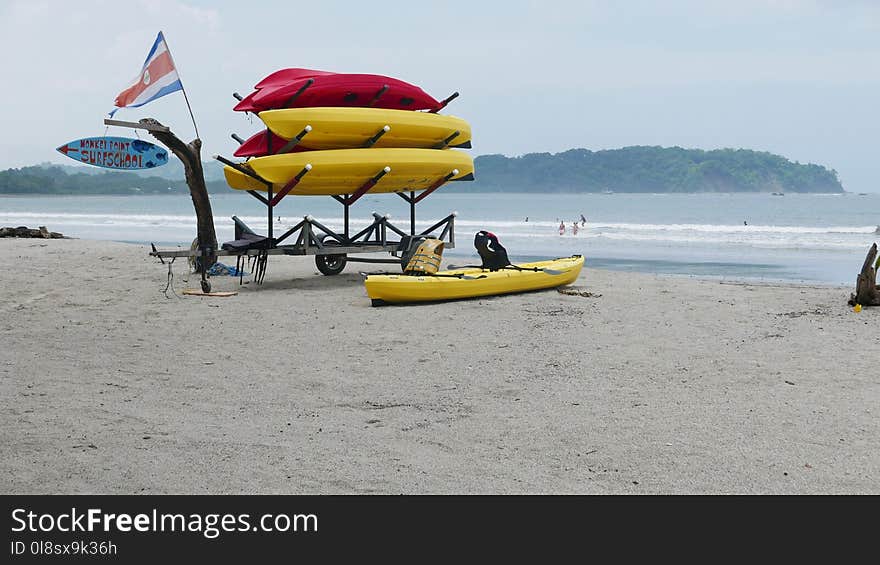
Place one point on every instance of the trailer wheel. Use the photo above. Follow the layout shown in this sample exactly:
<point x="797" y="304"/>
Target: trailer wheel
<point x="330" y="264"/>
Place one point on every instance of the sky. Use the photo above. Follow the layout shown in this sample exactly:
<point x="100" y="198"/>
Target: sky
<point x="800" y="78"/>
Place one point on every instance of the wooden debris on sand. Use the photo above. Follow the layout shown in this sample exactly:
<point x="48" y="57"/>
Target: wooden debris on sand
<point x="867" y="292"/>
<point x="575" y="291"/>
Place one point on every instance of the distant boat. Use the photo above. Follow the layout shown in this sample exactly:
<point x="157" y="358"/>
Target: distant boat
<point x="778" y="193"/>
<point x="606" y="191"/>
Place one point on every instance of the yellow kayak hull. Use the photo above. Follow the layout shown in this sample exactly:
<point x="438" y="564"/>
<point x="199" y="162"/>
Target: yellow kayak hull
<point x="351" y="128"/>
<point x="429" y="288"/>
<point x="343" y="171"/>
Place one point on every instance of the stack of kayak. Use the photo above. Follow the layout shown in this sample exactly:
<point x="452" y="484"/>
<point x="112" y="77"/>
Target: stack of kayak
<point x="336" y="133"/>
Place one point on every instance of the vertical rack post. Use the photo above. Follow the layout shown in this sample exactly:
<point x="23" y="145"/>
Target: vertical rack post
<point x="412" y="213"/>
<point x="271" y="210"/>
<point x="345" y="206"/>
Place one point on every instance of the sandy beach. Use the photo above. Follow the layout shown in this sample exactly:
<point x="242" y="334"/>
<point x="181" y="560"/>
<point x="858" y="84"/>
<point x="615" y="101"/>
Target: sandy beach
<point x="652" y="385"/>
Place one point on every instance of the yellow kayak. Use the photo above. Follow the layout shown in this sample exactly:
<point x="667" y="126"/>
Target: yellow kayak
<point x="468" y="283"/>
<point x="343" y="171"/>
<point x="351" y="128"/>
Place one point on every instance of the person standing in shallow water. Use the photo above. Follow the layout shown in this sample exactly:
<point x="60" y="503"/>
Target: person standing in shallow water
<point x="562" y="228"/>
<point x="583" y="221"/>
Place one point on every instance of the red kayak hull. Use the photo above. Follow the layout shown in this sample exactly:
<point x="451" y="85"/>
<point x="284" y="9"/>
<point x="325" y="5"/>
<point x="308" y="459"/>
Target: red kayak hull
<point x="340" y="89"/>
<point x="264" y="143"/>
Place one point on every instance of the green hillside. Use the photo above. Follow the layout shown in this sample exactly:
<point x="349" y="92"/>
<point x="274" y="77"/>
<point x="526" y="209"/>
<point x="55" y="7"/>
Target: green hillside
<point x="651" y="169"/>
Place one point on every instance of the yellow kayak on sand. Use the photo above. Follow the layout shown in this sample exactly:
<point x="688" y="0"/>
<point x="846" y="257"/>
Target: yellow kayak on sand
<point x="472" y="282"/>
<point x="352" y="128"/>
<point x="343" y="171"/>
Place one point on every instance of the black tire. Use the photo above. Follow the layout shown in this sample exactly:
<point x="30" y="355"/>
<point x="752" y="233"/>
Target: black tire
<point x="331" y="264"/>
<point x="206" y="287"/>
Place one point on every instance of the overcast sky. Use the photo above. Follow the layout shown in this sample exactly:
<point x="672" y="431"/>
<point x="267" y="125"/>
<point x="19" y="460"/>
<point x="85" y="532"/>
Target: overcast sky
<point x="794" y="77"/>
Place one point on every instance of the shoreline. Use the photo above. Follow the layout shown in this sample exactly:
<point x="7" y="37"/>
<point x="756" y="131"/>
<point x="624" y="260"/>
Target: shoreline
<point x="459" y="257"/>
<point x="655" y="384"/>
<point x="809" y="239"/>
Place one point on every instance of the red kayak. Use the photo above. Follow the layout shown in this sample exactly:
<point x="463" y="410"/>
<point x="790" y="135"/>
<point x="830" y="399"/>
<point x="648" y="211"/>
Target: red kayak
<point x="264" y="143"/>
<point x="337" y="89"/>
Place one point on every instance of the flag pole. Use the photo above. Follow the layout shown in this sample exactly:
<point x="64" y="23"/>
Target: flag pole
<point x="185" y="97"/>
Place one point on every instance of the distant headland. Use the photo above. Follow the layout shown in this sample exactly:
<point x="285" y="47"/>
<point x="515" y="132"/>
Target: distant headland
<point x="629" y="169"/>
<point x="651" y="169"/>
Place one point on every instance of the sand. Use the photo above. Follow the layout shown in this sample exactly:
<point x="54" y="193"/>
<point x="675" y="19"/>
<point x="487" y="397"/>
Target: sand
<point x="652" y="385"/>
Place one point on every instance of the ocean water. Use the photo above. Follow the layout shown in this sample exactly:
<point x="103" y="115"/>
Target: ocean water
<point x="815" y="238"/>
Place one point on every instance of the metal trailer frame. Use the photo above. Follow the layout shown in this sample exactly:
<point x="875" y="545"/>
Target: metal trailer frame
<point x="331" y="249"/>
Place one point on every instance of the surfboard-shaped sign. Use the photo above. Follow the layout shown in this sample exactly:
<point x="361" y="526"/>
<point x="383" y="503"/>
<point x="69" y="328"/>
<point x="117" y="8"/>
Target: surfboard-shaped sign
<point x="115" y="153"/>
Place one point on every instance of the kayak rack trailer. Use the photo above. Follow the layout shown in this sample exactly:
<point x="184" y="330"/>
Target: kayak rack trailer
<point x="310" y="237"/>
<point x="331" y="249"/>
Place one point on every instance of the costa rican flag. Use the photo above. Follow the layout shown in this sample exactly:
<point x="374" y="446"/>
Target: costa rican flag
<point x="157" y="78"/>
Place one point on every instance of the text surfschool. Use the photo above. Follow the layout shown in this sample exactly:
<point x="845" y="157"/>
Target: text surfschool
<point x="104" y="152"/>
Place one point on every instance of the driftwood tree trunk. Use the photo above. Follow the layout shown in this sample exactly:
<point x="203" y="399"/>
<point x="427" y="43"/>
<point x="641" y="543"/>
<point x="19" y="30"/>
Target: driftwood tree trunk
<point x="867" y="292"/>
<point x="190" y="155"/>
